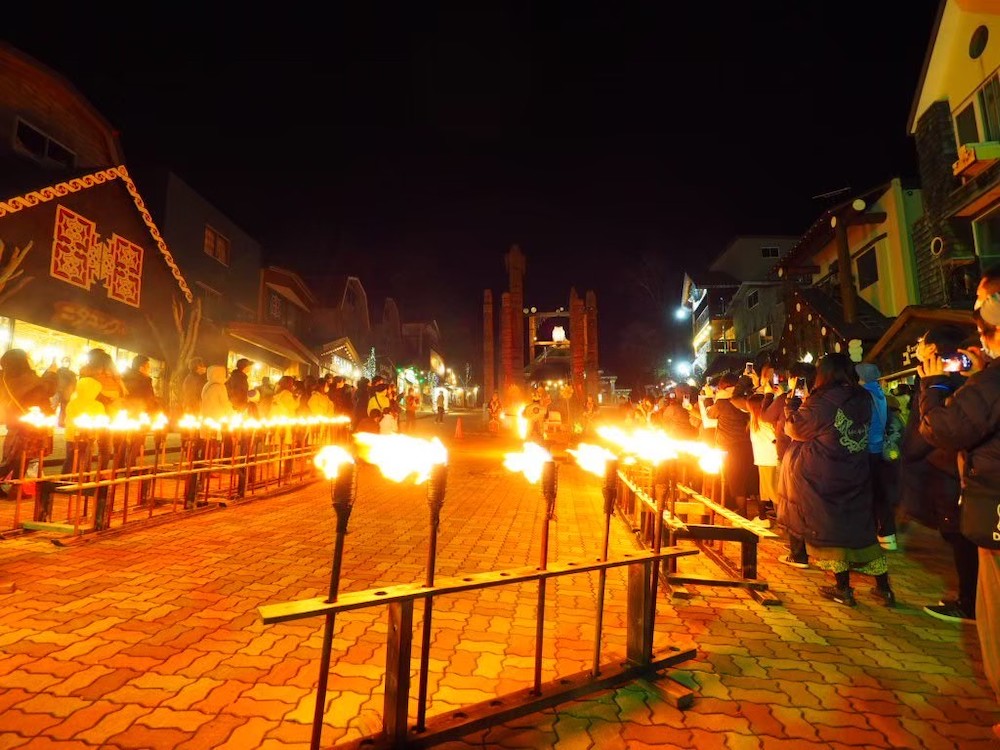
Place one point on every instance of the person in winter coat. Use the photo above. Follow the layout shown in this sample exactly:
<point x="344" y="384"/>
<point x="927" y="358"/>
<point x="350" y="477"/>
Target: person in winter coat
<point x="824" y="490"/>
<point x="84" y="403"/>
<point x="66" y="384"/>
<point x="20" y="390"/>
<point x="801" y="380"/>
<point x="100" y="366"/>
<point x="885" y="493"/>
<point x="675" y="419"/>
<point x="968" y="420"/>
<point x="192" y="386"/>
<point x="319" y="402"/>
<point x="732" y="434"/>
<point x="285" y="403"/>
<point x="765" y="457"/>
<point x="929" y="483"/>
<point x="238" y="385"/>
<point x="215" y="403"/>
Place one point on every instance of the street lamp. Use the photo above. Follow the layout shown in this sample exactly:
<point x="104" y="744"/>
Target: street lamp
<point x="681" y="313"/>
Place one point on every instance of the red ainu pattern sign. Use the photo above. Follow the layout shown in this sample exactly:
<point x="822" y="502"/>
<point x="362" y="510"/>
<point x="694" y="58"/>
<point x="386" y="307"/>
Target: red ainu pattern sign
<point x="78" y="258"/>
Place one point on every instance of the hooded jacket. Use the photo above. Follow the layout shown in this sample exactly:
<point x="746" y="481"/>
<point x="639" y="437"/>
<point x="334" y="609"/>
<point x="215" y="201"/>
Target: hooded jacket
<point x="824" y="485"/>
<point x="869" y="374"/>
<point x="214" y="396"/>
<point x="83" y="403"/>
<point x="967" y="420"/>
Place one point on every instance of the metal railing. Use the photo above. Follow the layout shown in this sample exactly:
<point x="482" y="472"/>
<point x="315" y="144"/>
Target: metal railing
<point x="107" y="481"/>
<point x="642" y="586"/>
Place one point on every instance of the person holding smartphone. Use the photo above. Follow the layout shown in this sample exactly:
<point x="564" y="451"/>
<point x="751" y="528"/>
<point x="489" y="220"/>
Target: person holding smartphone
<point x="968" y="420"/>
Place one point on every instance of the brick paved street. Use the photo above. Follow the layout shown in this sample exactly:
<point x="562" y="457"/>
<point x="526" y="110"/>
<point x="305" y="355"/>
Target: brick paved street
<point x="152" y="639"/>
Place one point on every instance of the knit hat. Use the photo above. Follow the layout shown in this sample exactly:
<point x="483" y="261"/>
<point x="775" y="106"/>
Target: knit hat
<point x="989" y="309"/>
<point x="867" y="372"/>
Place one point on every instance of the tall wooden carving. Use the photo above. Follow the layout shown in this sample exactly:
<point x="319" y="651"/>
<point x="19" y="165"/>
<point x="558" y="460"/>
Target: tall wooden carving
<point x="506" y="347"/>
<point x="489" y="350"/>
<point x="577" y="342"/>
<point x="516" y="267"/>
<point x="591" y="369"/>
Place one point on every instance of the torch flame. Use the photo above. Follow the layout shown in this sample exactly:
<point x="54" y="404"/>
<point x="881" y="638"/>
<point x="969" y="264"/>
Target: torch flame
<point x="656" y="446"/>
<point x="399" y="456"/>
<point x="520" y="422"/>
<point x="330" y="458"/>
<point x="529" y="461"/>
<point x="35" y="418"/>
<point x="592" y="458"/>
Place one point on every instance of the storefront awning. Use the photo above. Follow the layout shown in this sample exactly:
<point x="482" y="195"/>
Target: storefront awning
<point x="275" y="339"/>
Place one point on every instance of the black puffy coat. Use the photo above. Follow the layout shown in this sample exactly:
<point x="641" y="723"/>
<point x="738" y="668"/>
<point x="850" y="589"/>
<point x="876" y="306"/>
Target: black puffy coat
<point x="928" y="474"/>
<point x="824" y="486"/>
<point x="967" y="420"/>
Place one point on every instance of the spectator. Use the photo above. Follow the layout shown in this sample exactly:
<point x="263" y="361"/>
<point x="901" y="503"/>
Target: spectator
<point x="388" y="424"/>
<point x="929" y="483"/>
<point x="439" y="403"/>
<point x="20" y="390"/>
<point x="732" y="435"/>
<point x="266" y="391"/>
<point x="884" y="490"/>
<point x="825" y="489"/>
<point x="215" y="403"/>
<point x="379" y="398"/>
<point x="100" y="366"/>
<point x="192" y="386"/>
<point x="65" y="384"/>
<point x="765" y="457"/>
<point x="140" y="396"/>
<point x="238" y="386"/>
<point x="968" y="420"/>
<point x="412" y="403"/>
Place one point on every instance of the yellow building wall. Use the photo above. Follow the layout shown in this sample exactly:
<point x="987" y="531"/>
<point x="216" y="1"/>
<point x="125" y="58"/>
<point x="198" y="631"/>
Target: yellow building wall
<point x="896" y="286"/>
<point x="953" y="75"/>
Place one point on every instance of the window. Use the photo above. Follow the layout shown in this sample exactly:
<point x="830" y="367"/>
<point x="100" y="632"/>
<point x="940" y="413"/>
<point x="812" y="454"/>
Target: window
<point x="752" y="299"/>
<point x="965" y="124"/>
<point x="766" y="335"/>
<point x="989" y="108"/>
<point x="769" y="252"/>
<point x="216" y="245"/>
<point x="987" y="234"/>
<point x="34" y="142"/>
<point x="276" y="306"/>
<point x="867" y="269"/>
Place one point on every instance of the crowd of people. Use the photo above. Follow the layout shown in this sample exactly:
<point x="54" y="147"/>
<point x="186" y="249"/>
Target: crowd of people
<point x="841" y="464"/>
<point x="98" y="388"/>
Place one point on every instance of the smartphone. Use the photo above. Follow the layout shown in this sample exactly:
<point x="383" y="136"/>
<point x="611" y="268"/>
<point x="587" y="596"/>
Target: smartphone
<point x="799" y="393"/>
<point x="957" y="362"/>
<point x="775" y="379"/>
<point x="749" y="368"/>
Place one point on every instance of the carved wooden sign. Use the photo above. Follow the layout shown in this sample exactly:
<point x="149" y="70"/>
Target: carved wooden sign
<point x="80" y="258"/>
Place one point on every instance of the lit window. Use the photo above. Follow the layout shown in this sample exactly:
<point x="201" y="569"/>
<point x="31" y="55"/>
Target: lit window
<point x="752" y="299"/>
<point x="216" y="245"/>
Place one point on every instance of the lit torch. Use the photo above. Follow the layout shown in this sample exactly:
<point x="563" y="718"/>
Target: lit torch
<point x="338" y="466"/>
<point x="537" y="465"/>
<point x="399" y="457"/>
<point x="602" y="462"/>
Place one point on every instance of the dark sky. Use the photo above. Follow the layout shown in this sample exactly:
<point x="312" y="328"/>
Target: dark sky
<point x="412" y="143"/>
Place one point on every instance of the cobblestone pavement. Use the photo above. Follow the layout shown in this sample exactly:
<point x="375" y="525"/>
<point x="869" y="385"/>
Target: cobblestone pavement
<point x="152" y="639"/>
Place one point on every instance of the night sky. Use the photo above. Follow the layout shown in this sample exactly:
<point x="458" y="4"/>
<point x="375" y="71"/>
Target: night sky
<point x="412" y="143"/>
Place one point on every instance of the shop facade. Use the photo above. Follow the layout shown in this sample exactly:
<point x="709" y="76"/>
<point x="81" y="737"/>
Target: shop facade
<point x="92" y="272"/>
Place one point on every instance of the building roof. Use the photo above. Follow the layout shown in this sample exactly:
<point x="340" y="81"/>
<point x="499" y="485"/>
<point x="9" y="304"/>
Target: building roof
<point x="911" y="121"/>
<point x="820" y="232"/>
<point x="45" y="190"/>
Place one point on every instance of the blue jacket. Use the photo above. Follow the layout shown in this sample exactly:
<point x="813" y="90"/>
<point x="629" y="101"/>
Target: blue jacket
<point x="876" y="433"/>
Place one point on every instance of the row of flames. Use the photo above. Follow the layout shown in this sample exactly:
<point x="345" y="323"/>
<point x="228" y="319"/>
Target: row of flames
<point x="124" y="422"/>
<point x="399" y="457"/>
